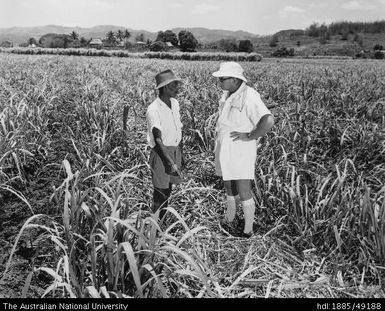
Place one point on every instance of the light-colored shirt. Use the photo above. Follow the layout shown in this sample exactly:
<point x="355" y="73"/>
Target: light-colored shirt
<point x="167" y="120"/>
<point x="241" y="111"/>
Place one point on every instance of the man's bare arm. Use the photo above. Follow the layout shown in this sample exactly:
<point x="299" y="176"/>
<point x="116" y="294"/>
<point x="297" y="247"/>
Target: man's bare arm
<point x="162" y="152"/>
<point x="263" y="126"/>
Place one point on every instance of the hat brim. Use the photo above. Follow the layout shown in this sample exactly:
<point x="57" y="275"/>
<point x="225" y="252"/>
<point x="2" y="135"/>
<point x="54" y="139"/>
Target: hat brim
<point x="164" y="83"/>
<point x="219" y="74"/>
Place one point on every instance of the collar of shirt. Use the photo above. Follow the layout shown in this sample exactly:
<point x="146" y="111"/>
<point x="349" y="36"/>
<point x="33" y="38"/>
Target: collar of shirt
<point x="237" y="98"/>
<point x="164" y="105"/>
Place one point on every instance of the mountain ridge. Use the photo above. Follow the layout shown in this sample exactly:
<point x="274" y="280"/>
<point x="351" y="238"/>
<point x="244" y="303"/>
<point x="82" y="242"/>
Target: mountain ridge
<point x="22" y="34"/>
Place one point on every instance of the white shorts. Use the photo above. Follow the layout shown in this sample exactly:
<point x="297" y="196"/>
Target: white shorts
<point x="235" y="160"/>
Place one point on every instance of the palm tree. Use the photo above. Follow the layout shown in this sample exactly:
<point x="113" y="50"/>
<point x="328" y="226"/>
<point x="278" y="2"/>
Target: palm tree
<point x="111" y="37"/>
<point x="127" y="34"/>
<point x="119" y="35"/>
<point x="74" y="35"/>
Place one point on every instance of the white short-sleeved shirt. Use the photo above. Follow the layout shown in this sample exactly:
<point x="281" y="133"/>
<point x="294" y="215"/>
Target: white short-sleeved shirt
<point x="167" y="120"/>
<point x="241" y="112"/>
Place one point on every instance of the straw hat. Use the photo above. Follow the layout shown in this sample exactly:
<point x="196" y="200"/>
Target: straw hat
<point x="230" y="69"/>
<point x="165" y="77"/>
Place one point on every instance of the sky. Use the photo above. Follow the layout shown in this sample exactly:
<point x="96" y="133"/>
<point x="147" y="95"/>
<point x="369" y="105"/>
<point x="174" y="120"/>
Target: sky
<point x="255" y="16"/>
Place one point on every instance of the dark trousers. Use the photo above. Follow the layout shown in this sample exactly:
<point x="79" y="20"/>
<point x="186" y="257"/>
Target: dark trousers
<point x="160" y="200"/>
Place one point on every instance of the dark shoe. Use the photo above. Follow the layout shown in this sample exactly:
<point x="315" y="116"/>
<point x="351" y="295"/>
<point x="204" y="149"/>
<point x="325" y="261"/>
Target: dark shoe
<point x="228" y="227"/>
<point x="241" y="226"/>
<point x="246" y="235"/>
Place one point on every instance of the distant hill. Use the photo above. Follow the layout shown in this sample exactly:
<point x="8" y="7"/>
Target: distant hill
<point x="20" y="35"/>
<point x="290" y="33"/>
<point x="205" y="35"/>
<point x="306" y="45"/>
<point x="343" y="38"/>
<point x="339" y="39"/>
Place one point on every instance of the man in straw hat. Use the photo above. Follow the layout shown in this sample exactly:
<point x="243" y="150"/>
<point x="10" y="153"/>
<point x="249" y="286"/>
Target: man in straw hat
<point x="164" y="136"/>
<point x="242" y="119"/>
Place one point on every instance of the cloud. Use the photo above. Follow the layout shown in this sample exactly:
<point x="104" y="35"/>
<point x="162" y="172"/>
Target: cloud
<point x="317" y="5"/>
<point x="202" y="9"/>
<point x="358" y="6"/>
<point x="293" y="9"/>
<point x="290" y="10"/>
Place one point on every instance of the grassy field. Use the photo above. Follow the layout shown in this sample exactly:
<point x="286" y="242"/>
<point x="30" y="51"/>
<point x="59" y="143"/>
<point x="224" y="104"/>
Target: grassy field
<point x="75" y="189"/>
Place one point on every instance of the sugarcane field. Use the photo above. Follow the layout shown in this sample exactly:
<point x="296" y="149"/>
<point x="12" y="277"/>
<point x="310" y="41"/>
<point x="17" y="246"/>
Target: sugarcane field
<point x="76" y="191"/>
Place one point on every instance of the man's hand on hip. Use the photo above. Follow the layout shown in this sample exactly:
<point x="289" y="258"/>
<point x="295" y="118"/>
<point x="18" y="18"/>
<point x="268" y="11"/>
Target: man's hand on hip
<point x="240" y="136"/>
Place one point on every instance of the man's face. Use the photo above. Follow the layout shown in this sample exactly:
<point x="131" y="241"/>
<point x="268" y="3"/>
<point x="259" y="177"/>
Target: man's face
<point x="226" y="83"/>
<point x="172" y="88"/>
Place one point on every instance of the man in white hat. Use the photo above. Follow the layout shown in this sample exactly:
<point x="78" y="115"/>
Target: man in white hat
<point x="242" y="119"/>
<point x="164" y="135"/>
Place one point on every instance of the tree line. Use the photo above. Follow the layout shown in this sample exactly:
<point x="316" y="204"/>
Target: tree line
<point x="345" y="28"/>
<point x="353" y="31"/>
<point x="184" y="41"/>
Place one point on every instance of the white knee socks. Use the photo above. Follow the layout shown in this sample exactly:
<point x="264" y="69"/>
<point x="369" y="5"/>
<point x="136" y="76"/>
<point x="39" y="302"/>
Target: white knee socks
<point x="232" y="203"/>
<point x="248" y="212"/>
